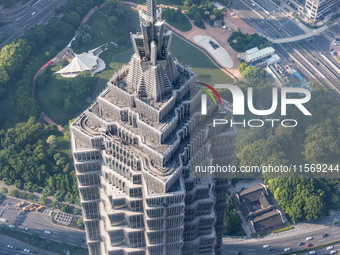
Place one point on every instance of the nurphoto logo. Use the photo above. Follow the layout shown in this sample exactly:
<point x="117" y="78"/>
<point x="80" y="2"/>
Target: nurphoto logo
<point x="239" y="104"/>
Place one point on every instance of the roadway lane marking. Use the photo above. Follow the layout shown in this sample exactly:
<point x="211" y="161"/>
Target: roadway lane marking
<point x="251" y="250"/>
<point x="287" y="244"/>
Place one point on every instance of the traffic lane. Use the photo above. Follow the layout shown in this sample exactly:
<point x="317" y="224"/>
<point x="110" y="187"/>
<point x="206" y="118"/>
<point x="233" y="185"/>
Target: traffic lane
<point x="42" y="14"/>
<point x="6" y="240"/>
<point x="278" y="245"/>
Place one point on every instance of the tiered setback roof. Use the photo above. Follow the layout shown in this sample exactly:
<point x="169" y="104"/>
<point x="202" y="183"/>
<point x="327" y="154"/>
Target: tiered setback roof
<point x="133" y="151"/>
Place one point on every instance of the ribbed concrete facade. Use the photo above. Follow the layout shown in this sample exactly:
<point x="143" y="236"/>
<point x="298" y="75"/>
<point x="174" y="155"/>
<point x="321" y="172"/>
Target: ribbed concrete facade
<point x="135" y="149"/>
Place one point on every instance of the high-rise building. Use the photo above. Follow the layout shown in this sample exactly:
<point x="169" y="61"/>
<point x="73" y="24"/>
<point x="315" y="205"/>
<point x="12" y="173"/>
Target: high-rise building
<point x="314" y="9"/>
<point x="135" y="149"/>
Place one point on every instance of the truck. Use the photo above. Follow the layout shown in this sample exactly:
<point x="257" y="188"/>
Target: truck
<point x="39" y="208"/>
<point x="20" y="204"/>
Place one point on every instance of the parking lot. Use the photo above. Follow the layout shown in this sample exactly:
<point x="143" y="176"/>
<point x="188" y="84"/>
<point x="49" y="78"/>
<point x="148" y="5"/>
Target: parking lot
<point x="38" y="222"/>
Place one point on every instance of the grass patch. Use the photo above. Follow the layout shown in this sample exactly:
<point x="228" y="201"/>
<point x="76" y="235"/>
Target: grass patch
<point x="193" y="57"/>
<point x="283" y="229"/>
<point x="177" y="19"/>
<point x="103" y="33"/>
<point x="42" y="243"/>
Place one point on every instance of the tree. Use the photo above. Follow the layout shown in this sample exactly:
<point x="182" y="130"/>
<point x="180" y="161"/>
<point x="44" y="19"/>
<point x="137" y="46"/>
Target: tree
<point x="43" y="200"/>
<point x="73" y="19"/>
<point x="80" y="223"/>
<point x="113" y="21"/>
<point x="52" y="141"/>
<point x="3" y="190"/>
<point x="64" y="62"/>
<point x="64" y="208"/>
<point x="198" y="20"/>
<point x="86" y="39"/>
<point x="12" y="57"/>
<point x="252" y="72"/>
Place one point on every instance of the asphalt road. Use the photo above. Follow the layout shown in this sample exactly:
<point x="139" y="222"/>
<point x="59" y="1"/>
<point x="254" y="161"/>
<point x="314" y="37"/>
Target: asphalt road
<point x="18" y="247"/>
<point x="38" y="222"/>
<point x="278" y="244"/>
<point x="274" y="25"/>
<point x="33" y="14"/>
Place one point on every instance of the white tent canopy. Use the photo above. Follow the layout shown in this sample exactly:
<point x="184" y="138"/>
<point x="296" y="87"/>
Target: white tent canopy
<point x="81" y="62"/>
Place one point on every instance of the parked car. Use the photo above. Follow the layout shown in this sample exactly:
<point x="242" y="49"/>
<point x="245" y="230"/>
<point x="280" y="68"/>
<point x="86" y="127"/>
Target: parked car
<point x="312" y="252"/>
<point x="333" y="252"/>
<point x="286" y="249"/>
<point x="301" y="243"/>
<point x="330" y="248"/>
<point x="48" y="232"/>
<point x="266" y="246"/>
<point x="325" y="235"/>
<point x="309" y="238"/>
<point x="26" y="250"/>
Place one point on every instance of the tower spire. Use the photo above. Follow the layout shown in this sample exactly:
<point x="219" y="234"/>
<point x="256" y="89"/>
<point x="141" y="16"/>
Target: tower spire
<point x="151" y="8"/>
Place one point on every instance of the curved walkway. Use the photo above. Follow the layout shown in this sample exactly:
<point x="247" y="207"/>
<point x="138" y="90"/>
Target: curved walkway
<point x="299" y="37"/>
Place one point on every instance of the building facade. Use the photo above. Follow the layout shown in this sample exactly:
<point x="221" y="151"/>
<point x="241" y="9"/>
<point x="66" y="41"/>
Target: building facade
<point x="314" y="9"/>
<point x="134" y="153"/>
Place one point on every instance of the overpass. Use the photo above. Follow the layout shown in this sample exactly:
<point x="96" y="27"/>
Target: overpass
<point x="299" y="37"/>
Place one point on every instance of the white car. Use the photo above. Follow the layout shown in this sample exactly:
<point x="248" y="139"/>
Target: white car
<point x="10" y="246"/>
<point x="311" y="252"/>
<point x="309" y="238"/>
<point x="266" y="246"/>
<point x="48" y="232"/>
<point x="26" y="250"/>
<point x="330" y="248"/>
<point x="26" y="229"/>
<point x="286" y="249"/>
<point x="333" y="252"/>
<point x="11" y="226"/>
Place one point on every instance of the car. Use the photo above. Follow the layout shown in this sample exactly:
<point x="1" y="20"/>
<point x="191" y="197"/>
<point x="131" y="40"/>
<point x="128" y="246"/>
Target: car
<point x="269" y="249"/>
<point x="265" y="246"/>
<point x="301" y="243"/>
<point x="334" y="53"/>
<point x="309" y="245"/>
<point x="11" y="226"/>
<point x="238" y="253"/>
<point x="10" y="246"/>
<point x="26" y="250"/>
<point x="26" y="229"/>
<point x="325" y="235"/>
<point x="33" y="13"/>
<point x="48" y="232"/>
<point x="286" y="249"/>
<point x="309" y="238"/>
<point x="312" y="252"/>
<point x="330" y="248"/>
<point x="331" y="50"/>
<point x="333" y="252"/>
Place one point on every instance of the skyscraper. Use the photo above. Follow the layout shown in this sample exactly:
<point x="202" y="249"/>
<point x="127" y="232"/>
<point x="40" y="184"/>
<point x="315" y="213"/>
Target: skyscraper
<point x="134" y="152"/>
<point x="314" y="9"/>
